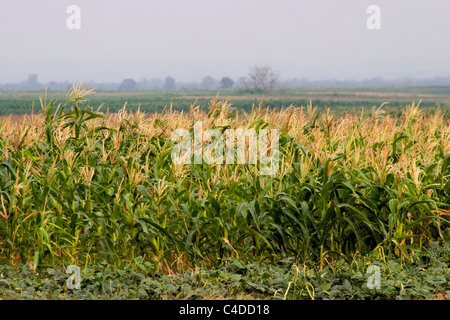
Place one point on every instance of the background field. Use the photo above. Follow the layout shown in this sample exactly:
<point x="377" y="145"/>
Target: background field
<point x="340" y="100"/>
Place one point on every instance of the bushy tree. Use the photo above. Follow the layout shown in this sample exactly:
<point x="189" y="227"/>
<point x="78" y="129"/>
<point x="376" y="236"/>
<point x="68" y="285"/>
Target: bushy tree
<point x="128" y="85"/>
<point x="226" y="82"/>
<point x="169" y="83"/>
<point x="208" y="83"/>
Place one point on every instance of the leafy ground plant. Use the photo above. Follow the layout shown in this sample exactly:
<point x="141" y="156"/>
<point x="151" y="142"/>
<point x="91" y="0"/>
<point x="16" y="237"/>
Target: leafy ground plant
<point x="427" y="277"/>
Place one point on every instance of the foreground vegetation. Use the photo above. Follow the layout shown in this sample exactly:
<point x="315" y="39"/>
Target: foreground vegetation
<point x="79" y="187"/>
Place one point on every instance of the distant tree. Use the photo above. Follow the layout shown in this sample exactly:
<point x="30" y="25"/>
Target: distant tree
<point x="244" y="86"/>
<point x="32" y="83"/>
<point x="128" y="85"/>
<point x="53" y="85"/>
<point x="169" y="83"/>
<point x="243" y="82"/>
<point x="263" y="78"/>
<point x="208" y="83"/>
<point x="226" y="82"/>
<point x="142" y="84"/>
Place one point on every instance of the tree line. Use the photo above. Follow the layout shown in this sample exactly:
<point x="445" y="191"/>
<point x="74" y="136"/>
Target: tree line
<point x="262" y="79"/>
<point x="259" y="79"/>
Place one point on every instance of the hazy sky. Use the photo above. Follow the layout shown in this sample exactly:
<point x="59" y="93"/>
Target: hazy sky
<point x="190" y="39"/>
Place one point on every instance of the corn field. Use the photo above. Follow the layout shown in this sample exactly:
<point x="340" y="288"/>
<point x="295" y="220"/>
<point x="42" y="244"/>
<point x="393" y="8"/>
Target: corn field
<point x="79" y="186"/>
